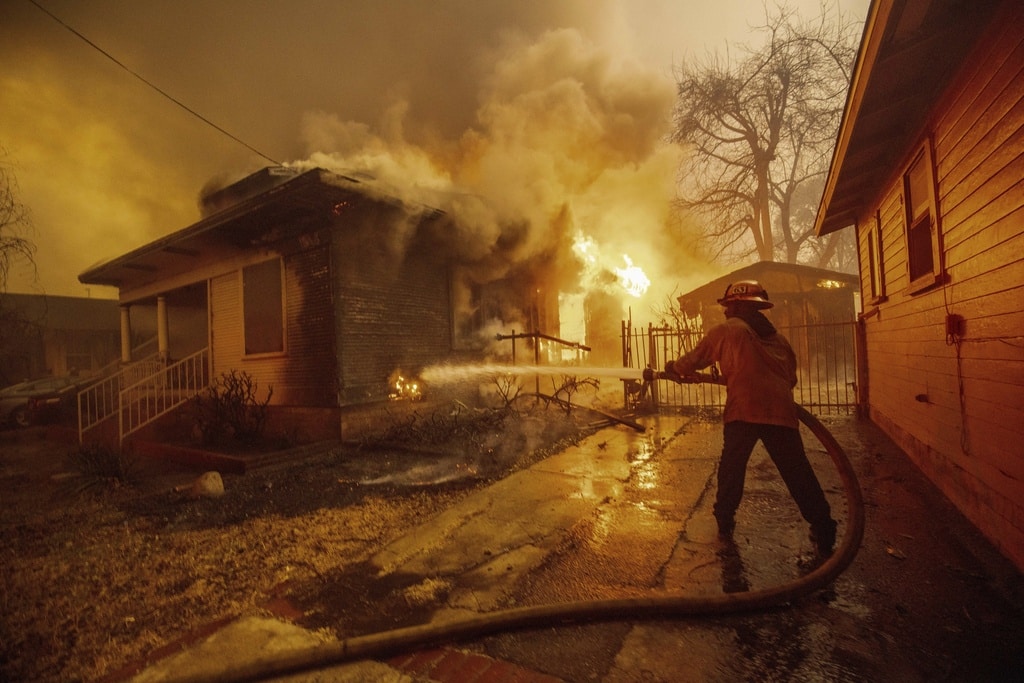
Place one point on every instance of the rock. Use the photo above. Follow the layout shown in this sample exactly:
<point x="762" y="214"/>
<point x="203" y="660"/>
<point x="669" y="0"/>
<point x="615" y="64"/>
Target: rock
<point x="208" y="485"/>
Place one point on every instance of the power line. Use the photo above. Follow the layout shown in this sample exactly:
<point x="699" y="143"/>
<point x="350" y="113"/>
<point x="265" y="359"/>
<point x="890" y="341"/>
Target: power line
<point x="154" y="86"/>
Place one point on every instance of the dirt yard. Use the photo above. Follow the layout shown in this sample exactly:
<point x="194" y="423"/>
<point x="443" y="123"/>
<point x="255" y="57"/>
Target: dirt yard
<point x="99" y="573"/>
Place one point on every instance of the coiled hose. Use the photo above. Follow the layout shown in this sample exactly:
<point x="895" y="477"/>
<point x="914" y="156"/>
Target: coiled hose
<point x="390" y="643"/>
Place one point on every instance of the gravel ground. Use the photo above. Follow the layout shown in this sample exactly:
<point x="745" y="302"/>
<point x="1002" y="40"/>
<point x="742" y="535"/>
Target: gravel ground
<point x="99" y="572"/>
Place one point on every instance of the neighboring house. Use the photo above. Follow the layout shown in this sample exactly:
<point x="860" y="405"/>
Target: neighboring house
<point x="317" y="285"/>
<point x="802" y="295"/>
<point x="929" y="171"/>
<point x="56" y="335"/>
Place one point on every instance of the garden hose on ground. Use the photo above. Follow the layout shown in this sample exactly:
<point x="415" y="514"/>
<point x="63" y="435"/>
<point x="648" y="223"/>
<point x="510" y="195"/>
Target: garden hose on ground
<point x="391" y="643"/>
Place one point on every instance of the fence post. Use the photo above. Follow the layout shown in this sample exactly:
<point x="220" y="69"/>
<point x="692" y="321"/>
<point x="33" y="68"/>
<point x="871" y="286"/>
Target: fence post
<point x="652" y="361"/>
<point x="861" y="388"/>
<point x="626" y="346"/>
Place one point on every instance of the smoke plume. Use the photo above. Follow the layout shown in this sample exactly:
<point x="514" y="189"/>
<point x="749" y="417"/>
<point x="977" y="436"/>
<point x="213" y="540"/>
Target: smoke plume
<point x="566" y="167"/>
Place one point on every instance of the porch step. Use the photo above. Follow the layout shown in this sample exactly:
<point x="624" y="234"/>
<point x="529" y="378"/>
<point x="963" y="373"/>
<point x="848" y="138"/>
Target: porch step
<point x="228" y="463"/>
<point x="191" y="457"/>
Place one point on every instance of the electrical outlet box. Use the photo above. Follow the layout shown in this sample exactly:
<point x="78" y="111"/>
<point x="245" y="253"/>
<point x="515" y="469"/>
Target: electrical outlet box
<point x="954" y="325"/>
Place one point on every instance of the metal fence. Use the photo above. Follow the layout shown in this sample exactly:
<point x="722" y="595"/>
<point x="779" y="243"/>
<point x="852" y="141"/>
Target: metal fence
<point x="826" y="366"/>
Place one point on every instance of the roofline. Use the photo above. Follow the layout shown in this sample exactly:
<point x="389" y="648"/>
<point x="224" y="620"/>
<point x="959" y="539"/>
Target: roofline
<point x="874" y="28"/>
<point x="203" y="225"/>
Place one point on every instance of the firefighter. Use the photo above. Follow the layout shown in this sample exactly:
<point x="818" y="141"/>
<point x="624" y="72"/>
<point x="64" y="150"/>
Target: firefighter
<point x="758" y="366"/>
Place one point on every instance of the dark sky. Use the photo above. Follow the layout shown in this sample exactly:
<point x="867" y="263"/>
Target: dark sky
<point x="544" y="108"/>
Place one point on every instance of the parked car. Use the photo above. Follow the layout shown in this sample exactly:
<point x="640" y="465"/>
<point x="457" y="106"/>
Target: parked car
<point x="32" y="401"/>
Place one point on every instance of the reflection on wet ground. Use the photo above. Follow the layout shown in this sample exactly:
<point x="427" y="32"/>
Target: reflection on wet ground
<point x="734" y="575"/>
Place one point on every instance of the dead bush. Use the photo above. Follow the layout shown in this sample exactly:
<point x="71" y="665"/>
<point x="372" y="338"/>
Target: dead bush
<point x="230" y="409"/>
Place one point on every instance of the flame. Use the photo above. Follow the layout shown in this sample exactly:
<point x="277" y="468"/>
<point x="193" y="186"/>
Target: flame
<point x="631" y="278"/>
<point x="404" y="389"/>
<point x="585" y="248"/>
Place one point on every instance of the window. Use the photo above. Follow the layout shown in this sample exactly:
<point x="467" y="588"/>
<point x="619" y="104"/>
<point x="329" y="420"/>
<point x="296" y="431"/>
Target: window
<point x="922" y="221"/>
<point x="876" y="264"/>
<point x="79" y="352"/>
<point x="263" y="307"/>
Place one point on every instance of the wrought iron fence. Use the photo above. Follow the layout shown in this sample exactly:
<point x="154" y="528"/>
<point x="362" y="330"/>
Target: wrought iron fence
<point x="826" y="366"/>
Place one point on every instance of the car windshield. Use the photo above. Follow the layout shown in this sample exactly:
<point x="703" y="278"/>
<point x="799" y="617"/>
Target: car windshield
<point x="35" y="386"/>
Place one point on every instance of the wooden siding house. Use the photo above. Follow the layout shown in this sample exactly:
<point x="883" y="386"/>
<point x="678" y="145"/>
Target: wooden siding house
<point x="929" y="171"/>
<point x="316" y="284"/>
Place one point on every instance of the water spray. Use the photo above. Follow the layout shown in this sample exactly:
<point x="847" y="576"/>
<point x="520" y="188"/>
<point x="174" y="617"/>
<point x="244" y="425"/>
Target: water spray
<point x="453" y="374"/>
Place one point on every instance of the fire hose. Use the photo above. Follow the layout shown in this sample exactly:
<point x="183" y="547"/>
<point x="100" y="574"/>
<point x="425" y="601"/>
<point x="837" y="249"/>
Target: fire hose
<point x="394" y="642"/>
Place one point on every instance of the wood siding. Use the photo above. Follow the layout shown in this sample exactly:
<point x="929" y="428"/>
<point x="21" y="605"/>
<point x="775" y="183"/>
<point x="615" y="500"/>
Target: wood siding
<point x="305" y="374"/>
<point x="953" y="401"/>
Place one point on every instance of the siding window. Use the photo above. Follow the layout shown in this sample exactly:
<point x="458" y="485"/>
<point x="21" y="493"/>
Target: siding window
<point x="263" y="307"/>
<point x="922" y="221"/>
<point x="876" y="265"/>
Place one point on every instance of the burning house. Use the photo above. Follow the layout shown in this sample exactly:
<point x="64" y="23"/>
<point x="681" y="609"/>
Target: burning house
<point x="319" y="285"/>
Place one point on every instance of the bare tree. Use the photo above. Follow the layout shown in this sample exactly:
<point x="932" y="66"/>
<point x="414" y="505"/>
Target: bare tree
<point x="15" y="328"/>
<point x="14" y="224"/>
<point x="760" y="130"/>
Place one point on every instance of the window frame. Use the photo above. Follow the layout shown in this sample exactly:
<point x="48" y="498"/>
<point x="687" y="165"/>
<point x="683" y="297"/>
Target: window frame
<point x="928" y="218"/>
<point x="249" y="324"/>
<point x="876" y="261"/>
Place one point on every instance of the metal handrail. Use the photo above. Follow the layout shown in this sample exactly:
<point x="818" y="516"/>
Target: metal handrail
<point x="100" y="400"/>
<point x="161" y="392"/>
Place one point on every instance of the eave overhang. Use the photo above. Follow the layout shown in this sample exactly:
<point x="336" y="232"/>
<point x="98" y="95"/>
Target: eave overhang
<point x="910" y="52"/>
<point x="306" y="202"/>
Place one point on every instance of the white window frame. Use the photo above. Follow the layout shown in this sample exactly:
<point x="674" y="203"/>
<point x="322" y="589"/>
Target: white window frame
<point x="876" y="261"/>
<point x="272" y="345"/>
<point x="922" y="224"/>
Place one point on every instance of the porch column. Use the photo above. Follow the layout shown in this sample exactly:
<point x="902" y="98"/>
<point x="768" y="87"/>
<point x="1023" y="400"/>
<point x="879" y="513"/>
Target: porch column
<point x="126" y="334"/>
<point x="161" y="328"/>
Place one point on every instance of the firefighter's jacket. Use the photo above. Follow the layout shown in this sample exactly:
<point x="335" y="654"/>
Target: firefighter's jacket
<point x="759" y="372"/>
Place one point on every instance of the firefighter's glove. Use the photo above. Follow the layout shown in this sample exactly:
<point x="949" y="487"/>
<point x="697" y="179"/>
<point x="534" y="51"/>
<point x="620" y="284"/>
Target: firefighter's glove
<point x="670" y="373"/>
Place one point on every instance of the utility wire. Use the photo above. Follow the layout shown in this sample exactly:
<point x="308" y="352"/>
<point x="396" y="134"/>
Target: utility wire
<point x="154" y="86"/>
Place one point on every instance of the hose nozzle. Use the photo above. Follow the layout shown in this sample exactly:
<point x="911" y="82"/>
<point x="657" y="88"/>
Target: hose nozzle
<point x="650" y="374"/>
<point x="669" y="373"/>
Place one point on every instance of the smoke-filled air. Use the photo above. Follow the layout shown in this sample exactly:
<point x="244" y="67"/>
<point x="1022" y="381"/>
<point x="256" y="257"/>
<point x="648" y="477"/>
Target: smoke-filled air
<point x="566" y="163"/>
<point x="539" y="128"/>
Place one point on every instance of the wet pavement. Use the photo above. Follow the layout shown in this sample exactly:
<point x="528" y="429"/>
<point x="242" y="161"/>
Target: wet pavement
<point x="625" y="514"/>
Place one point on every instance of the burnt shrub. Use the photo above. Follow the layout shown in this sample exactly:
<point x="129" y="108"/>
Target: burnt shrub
<point x="229" y="409"/>
<point x="98" y="465"/>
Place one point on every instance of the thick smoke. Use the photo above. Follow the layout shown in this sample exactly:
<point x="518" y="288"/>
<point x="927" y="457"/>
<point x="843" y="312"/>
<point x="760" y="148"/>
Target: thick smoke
<point x="567" y="145"/>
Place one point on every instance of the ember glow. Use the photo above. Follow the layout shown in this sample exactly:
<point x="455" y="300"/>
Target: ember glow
<point x="404" y="389"/>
